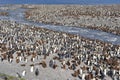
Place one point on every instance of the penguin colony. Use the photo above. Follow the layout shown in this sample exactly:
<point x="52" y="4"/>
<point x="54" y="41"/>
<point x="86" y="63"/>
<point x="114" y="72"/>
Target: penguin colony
<point x="98" y="17"/>
<point x="88" y="59"/>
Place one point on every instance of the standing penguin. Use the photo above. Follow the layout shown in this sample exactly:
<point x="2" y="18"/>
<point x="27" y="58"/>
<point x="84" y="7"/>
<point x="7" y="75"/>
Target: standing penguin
<point x="32" y="68"/>
<point x="23" y="73"/>
<point x="51" y="63"/>
<point x="37" y="72"/>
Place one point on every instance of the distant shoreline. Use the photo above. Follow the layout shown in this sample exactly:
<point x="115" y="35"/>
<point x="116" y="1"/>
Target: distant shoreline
<point x="79" y="2"/>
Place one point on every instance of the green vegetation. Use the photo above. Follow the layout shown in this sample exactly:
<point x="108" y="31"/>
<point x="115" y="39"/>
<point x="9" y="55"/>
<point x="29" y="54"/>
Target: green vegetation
<point x="3" y="13"/>
<point x="8" y="77"/>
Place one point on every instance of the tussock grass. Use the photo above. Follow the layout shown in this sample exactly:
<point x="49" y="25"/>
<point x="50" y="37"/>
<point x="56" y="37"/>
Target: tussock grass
<point x="3" y="13"/>
<point x="8" y="77"/>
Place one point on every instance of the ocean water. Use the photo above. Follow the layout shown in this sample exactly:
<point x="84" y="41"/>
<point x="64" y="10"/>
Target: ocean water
<point x="86" y="2"/>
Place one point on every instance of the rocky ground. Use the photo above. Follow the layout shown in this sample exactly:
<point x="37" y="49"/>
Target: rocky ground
<point x="101" y="17"/>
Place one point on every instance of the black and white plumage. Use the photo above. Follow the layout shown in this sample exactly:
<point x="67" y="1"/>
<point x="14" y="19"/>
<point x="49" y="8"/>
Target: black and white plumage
<point x="51" y="63"/>
<point x="23" y="73"/>
<point x="37" y="72"/>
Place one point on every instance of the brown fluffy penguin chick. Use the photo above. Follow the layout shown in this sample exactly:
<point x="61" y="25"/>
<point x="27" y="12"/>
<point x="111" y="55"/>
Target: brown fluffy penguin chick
<point x="68" y="63"/>
<point x="70" y="67"/>
<point x="43" y="63"/>
<point x="84" y="68"/>
<point x="78" y="62"/>
<point x="31" y="64"/>
<point x="63" y="67"/>
<point x="17" y="60"/>
<point x="55" y="58"/>
<point x="73" y="61"/>
<point x="23" y="65"/>
<point x="54" y="66"/>
<point x="76" y="73"/>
